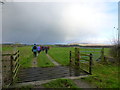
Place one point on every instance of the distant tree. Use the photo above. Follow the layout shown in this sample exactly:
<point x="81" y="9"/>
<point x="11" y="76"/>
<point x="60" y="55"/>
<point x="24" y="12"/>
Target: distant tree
<point x="115" y="50"/>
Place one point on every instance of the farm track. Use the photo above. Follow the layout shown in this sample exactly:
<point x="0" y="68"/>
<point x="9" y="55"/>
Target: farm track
<point x="52" y="60"/>
<point x="34" y="62"/>
<point x="37" y="74"/>
<point x="38" y="84"/>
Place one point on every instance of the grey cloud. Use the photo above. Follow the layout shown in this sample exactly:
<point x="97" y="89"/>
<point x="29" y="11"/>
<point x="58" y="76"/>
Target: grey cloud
<point x="47" y="22"/>
<point x="31" y="23"/>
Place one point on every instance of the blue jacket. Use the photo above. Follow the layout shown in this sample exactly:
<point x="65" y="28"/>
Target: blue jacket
<point x="34" y="50"/>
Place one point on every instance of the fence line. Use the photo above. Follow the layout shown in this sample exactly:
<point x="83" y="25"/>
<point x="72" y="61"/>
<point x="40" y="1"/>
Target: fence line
<point x="90" y="51"/>
<point x="76" y="60"/>
<point x="82" y="60"/>
<point x="90" y="48"/>
<point x="96" y="54"/>
<point x="10" y="67"/>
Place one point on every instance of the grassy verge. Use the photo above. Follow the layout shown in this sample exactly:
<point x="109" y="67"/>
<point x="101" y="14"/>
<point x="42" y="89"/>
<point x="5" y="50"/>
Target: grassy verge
<point x="26" y="56"/>
<point x="43" y="60"/>
<point x="60" y="83"/>
<point x="7" y="49"/>
<point x="104" y="76"/>
<point x="27" y="87"/>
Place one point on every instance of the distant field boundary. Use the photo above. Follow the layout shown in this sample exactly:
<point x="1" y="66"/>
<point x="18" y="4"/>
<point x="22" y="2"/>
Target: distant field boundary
<point x="84" y="46"/>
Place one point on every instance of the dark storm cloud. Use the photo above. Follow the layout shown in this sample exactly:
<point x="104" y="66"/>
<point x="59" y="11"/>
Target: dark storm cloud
<point x="32" y="23"/>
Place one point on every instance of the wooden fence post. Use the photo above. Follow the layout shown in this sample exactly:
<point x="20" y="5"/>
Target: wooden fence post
<point x="78" y="62"/>
<point x="11" y="60"/>
<point x="90" y="64"/>
<point x="102" y="55"/>
<point x="77" y="57"/>
<point x="70" y="57"/>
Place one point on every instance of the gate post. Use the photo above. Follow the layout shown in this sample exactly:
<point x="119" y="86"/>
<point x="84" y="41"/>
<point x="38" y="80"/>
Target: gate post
<point x="70" y="57"/>
<point x="102" y="55"/>
<point x="78" y="61"/>
<point x="11" y="60"/>
<point x="77" y="57"/>
<point x="90" y="64"/>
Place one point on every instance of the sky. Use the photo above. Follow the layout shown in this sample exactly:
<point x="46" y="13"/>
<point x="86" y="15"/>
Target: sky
<point x="59" y="22"/>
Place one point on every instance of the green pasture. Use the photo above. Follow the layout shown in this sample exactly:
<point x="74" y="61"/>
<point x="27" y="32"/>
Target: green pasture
<point x="7" y="49"/>
<point x="61" y="54"/>
<point x="26" y="56"/>
<point x="104" y="76"/>
<point x="96" y="52"/>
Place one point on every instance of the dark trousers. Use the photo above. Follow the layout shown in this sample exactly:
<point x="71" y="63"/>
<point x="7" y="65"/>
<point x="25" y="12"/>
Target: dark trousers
<point x="46" y="51"/>
<point x="35" y="54"/>
<point x="39" y="51"/>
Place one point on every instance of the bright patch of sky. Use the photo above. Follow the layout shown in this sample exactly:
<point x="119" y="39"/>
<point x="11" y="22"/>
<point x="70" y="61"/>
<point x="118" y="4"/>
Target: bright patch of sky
<point x="66" y="21"/>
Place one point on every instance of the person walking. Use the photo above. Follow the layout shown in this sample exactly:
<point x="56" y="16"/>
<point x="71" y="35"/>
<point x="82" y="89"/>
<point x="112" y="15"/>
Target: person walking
<point x="34" y="50"/>
<point x="42" y="49"/>
<point x="39" y="49"/>
<point x="46" y="49"/>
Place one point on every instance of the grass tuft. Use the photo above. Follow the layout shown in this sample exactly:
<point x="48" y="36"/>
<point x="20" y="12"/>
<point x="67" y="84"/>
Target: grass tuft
<point x="61" y="83"/>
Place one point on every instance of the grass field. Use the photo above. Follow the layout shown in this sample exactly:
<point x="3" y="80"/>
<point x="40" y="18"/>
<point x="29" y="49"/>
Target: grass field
<point x="104" y="76"/>
<point x="43" y="60"/>
<point x="26" y="56"/>
<point x="7" y="49"/>
<point x="96" y="52"/>
<point x="61" y="54"/>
